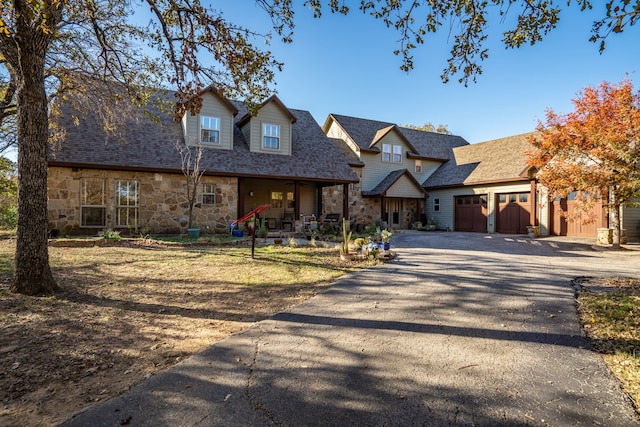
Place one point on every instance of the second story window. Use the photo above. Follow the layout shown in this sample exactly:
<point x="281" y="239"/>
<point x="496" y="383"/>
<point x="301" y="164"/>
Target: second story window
<point x="209" y="130"/>
<point x="386" y="152"/>
<point x="271" y="137"/>
<point x="418" y="166"/>
<point x="397" y="154"/>
<point x="391" y="153"/>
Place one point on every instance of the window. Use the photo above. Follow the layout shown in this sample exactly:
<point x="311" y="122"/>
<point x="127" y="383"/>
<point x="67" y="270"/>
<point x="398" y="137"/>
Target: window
<point x="502" y="198"/>
<point x="271" y="137"/>
<point x="387" y="153"/>
<point x="291" y="203"/>
<point x="276" y="199"/>
<point x="418" y="166"/>
<point x="512" y="198"/>
<point x="209" y="130"/>
<point x="127" y="203"/>
<point x="524" y="198"/>
<point x="92" y="207"/>
<point x="208" y="194"/>
<point x="397" y="154"/>
<point x="436" y="205"/>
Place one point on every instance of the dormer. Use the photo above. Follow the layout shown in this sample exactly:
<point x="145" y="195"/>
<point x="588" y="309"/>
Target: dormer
<point x="212" y="127"/>
<point x="269" y="131"/>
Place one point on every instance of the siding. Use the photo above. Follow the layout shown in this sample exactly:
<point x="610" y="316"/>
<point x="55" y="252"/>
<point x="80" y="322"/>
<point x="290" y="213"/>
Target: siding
<point x="445" y="217"/>
<point x="269" y="114"/>
<point x="631" y="220"/>
<point x="403" y="187"/>
<point x="212" y="107"/>
<point x="335" y="131"/>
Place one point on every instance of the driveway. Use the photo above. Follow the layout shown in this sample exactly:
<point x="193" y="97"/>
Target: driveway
<point x="460" y="329"/>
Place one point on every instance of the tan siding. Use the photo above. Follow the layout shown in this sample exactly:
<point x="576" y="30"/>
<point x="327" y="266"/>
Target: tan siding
<point x="631" y="220"/>
<point x="403" y="187"/>
<point x="271" y="114"/>
<point x="376" y="170"/>
<point x="212" y="107"/>
<point x="335" y="131"/>
<point x="445" y="217"/>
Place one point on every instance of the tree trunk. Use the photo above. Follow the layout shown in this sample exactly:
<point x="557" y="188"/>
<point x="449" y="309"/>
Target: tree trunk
<point x="615" y="217"/>
<point x="32" y="274"/>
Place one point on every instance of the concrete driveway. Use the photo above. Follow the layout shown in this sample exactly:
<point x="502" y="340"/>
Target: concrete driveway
<point x="460" y="329"/>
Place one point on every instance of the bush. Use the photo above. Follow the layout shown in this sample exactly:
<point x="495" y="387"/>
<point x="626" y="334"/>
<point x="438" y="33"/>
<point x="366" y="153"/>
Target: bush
<point x="9" y="217"/>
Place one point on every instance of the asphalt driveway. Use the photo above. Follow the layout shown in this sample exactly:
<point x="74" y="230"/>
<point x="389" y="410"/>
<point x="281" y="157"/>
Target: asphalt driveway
<point x="461" y="329"/>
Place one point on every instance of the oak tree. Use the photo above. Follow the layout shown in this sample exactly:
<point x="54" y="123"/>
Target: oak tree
<point x="593" y="149"/>
<point x="103" y="56"/>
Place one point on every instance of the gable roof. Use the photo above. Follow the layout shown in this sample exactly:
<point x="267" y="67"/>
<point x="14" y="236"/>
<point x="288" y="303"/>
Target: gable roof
<point x="499" y="160"/>
<point x="149" y="146"/>
<point x="276" y="101"/>
<point x="425" y="145"/>
<point x="388" y="181"/>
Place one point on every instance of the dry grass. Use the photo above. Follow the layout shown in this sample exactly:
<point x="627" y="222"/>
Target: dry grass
<point x="610" y="312"/>
<point x="129" y="311"/>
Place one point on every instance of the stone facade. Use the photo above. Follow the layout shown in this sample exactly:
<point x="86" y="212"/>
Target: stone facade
<point x="162" y="205"/>
<point x="362" y="211"/>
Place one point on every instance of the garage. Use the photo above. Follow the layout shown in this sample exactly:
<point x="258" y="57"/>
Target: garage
<point x="514" y="213"/>
<point x="568" y="219"/>
<point x="471" y="213"/>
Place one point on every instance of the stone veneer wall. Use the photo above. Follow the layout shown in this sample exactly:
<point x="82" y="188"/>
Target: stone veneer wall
<point x="163" y="201"/>
<point x="365" y="211"/>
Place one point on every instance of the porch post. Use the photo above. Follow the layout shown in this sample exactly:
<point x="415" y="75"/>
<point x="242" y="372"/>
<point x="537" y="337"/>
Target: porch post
<point x="296" y="198"/>
<point x="533" y="215"/>
<point x="383" y="201"/>
<point x="319" y="201"/>
<point x="345" y="201"/>
<point x="241" y="196"/>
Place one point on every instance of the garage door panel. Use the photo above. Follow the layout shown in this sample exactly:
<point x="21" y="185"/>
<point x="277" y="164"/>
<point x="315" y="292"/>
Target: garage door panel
<point x="514" y="213"/>
<point x="471" y="213"/>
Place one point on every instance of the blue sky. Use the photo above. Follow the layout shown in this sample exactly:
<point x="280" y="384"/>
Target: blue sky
<point x="345" y="65"/>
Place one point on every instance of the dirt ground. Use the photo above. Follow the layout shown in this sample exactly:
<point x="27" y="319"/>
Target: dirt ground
<point x="126" y="313"/>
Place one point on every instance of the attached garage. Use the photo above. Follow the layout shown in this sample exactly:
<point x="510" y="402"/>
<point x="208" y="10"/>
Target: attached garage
<point x="514" y="213"/>
<point x="471" y="213"/>
<point x="567" y="219"/>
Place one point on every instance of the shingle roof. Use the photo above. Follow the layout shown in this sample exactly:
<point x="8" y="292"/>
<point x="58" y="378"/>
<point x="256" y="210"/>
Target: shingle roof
<point x="388" y="182"/>
<point x="429" y="145"/>
<point x="498" y="160"/>
<point x="150" y="146"/>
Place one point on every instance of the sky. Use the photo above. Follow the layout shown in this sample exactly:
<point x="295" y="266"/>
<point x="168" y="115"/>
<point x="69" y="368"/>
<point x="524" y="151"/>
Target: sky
<point x="345" y="65"/>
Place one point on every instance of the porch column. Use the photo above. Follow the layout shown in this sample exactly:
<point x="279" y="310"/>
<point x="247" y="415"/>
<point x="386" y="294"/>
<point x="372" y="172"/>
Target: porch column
<point x="296" y="199"/>
<point x="318" y="201"/>
<point x="383" y="202"/>
<point x="533" y="215"/>
<point x="345" y="201"/>
<point x="241" y="195"/>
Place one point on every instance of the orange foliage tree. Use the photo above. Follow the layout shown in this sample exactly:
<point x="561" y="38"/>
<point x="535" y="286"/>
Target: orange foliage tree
<point x="594" y="149"/>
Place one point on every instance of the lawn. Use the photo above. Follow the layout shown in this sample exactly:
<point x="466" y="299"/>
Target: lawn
<point x="133" y="309"/>
<point x="610" y="312"/>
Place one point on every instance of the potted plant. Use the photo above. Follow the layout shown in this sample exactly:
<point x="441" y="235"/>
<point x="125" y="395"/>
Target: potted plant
<point x="433" y="222"/>
<point x="385" y="236"/>
<point x="262" y="230"/>
<point x="345" y="255"/>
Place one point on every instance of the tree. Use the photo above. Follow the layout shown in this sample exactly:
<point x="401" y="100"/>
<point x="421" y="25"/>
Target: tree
<point x="430" y="127"/>
<point x="8" y="192"/>
<point x="466" y="22"/>
<point x="594" y="148"/>
<point x="190" y="157"/>
<point x="92" y="56"/>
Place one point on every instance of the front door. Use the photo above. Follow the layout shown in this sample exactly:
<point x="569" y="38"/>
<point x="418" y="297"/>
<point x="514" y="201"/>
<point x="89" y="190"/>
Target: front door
<point x="394" y="209"/>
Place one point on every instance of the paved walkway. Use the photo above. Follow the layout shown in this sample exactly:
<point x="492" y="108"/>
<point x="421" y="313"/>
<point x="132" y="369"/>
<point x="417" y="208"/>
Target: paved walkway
<point x="461" y="329"/>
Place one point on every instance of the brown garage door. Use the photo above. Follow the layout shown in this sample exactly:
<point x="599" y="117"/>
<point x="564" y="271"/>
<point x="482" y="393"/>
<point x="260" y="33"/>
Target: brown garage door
<point x="471" y="213"/>
<point x="514" y="213"/>
<point x="568" y="219"/>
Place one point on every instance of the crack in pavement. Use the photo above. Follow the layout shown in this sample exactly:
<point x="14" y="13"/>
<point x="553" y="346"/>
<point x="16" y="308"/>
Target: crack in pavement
<point x="255" y="404"/>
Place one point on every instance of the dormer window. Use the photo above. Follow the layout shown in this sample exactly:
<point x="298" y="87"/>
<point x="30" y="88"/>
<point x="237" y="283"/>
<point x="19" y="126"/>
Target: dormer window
<point x="209" y="130"/>
<point x="271" y="136"/>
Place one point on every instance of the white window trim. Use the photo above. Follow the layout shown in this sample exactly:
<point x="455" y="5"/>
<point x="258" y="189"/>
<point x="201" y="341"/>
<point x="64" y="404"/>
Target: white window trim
<point x="387" y="150"/>
<point x="397" y="148"/>
<point x="277" y="137"/>
<point x="135" y="207"/>
<point x="212" y="192"/>
<point x="215" y="129"/>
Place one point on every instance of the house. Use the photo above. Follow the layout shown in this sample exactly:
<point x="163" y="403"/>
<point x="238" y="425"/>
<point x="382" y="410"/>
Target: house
<point x="395" y="163"/>
<point x="279" y="156"/>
